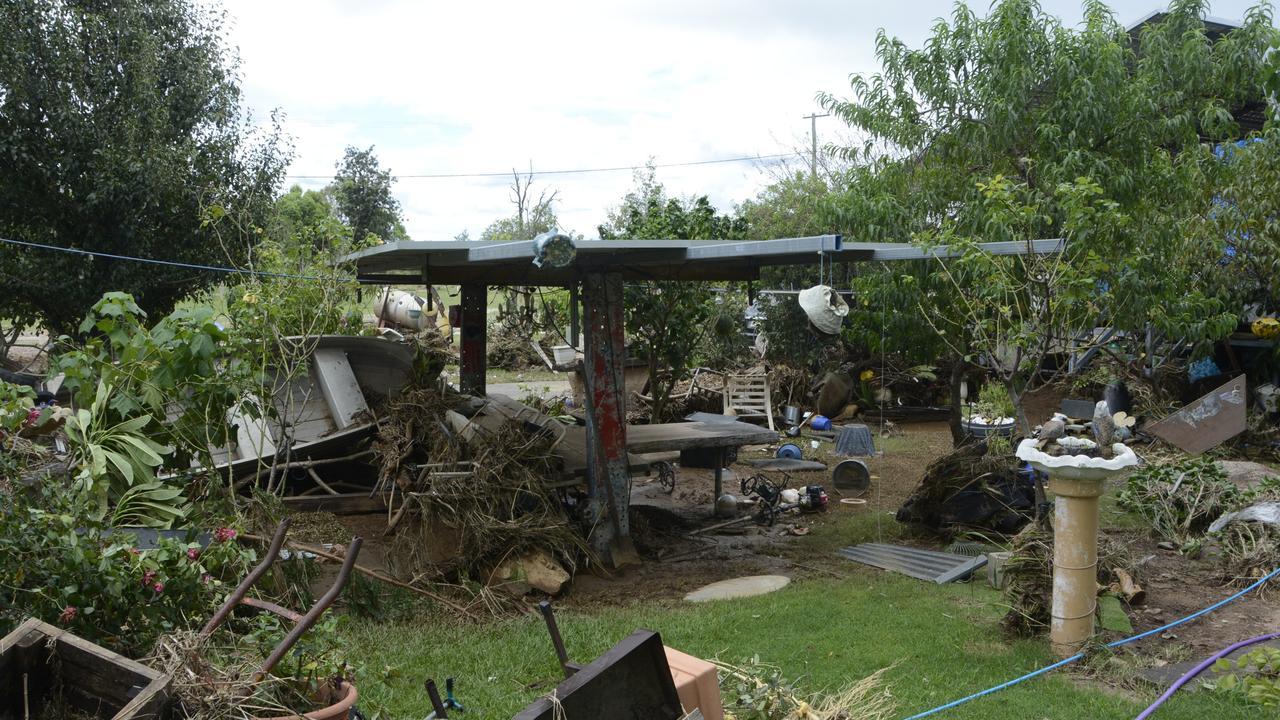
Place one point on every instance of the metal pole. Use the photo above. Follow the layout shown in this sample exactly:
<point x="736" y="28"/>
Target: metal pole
<point x="575" y="323"/>
<point x="813" y="138"/>
<point x="475" y="317"/>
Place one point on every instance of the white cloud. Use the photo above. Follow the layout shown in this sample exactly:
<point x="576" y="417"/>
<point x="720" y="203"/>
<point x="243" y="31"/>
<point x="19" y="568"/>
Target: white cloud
<point x="459" y="88"/>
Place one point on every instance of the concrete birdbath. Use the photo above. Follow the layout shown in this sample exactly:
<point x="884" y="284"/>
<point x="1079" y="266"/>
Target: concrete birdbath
<point x="1077" y="481"/>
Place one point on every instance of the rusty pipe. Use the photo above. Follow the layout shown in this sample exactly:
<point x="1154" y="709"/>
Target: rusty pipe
<point x="312" y="615"/>
<point x="237" y="595"/>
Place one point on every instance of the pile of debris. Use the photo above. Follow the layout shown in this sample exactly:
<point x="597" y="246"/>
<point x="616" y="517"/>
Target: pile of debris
<point x="971" y="487"/>
<point x="469" y="504"/>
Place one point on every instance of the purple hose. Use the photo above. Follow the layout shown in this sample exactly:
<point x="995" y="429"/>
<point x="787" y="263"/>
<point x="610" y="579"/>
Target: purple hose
<point x="1201" y="668"/>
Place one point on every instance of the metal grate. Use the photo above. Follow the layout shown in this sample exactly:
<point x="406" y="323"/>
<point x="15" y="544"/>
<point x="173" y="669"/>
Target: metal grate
<point x="938" y="567"/>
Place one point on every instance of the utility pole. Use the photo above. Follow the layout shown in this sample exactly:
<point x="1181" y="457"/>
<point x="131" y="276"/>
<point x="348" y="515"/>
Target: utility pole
<point x="813" y="137"/>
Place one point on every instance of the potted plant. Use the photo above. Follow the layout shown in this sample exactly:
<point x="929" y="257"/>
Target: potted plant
<point x="992" y="414"/>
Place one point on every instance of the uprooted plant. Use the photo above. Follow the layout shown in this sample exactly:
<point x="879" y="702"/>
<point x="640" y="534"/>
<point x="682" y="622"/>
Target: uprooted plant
<point x="759" y="691"/>
<point x="1181" y="499"/>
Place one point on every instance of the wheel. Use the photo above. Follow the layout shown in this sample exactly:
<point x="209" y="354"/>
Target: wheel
<point x="666" y="475"/>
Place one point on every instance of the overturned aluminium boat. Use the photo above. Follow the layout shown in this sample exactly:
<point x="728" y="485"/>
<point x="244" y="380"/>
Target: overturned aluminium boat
<point x="320" y="412"/>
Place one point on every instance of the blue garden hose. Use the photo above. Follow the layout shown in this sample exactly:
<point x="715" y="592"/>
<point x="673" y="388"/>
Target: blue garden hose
<point x="1079" y="656"/>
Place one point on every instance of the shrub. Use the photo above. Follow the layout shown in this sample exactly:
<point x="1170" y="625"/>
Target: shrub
<point x="61" y="564"/>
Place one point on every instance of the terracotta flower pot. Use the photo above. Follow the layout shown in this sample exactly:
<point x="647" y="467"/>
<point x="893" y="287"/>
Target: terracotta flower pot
<point x="337" y="711"/>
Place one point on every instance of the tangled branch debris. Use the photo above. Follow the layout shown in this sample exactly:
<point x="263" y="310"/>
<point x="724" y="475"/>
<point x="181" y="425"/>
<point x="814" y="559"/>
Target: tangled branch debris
<point x="970" y="486"/>
<point x="1180" y="500"/>
<point x="468" y="504"/>
<point x="758" y="691"/>
<point x="205" y="690"/>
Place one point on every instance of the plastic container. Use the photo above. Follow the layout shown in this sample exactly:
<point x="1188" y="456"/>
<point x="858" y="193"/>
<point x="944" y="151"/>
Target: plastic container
<point x="697" y="684"/>
<point x="789" y="451"/>
<point x="564" y="355"/>
<point x="821" y="423"/>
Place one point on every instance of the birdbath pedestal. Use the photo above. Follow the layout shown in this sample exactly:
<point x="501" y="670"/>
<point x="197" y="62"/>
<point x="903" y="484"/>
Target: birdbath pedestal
<point x="1077" y="481"/>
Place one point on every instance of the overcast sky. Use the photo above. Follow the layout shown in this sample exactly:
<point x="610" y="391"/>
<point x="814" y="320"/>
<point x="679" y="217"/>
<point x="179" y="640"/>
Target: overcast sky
<point x="457" y="88"/>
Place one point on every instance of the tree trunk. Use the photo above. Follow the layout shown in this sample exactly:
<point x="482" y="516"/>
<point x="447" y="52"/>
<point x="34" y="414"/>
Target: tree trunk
<point x="958" y="435"/>
<point x="1020" y="413"/>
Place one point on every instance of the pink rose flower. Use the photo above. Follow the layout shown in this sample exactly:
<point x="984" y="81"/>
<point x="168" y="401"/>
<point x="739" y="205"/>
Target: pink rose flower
<point x="68" y="614"/>
<point x="193" y="553"/>
<point x="224" y="534"/>
<point x="158" y="587"/>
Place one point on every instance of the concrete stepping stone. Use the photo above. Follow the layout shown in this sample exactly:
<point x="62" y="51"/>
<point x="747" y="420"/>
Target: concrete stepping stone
<point x="739" y="587"/>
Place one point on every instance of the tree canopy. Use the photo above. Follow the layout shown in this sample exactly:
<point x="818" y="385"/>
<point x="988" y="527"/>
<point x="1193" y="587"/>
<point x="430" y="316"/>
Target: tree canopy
<point x="362" y="194"/>
<point x="1014" y="127"/>
<point x="120" y="127"/>
<point x="666" y="320"/>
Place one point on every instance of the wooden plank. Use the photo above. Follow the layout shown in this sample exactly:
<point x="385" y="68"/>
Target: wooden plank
<point x="337" y="383"/>
<point x="344" y="504"/>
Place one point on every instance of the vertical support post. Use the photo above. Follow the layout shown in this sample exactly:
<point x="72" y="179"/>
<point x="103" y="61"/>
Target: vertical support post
<point x="608" y="472"/>
<point x="575" y="323"/>
<point x="475" y="317"/>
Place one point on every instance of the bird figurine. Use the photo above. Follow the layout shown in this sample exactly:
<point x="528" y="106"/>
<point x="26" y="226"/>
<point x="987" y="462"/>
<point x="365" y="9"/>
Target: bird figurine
<point x="1104" y="427"/>
<point x="1052" y="430"/>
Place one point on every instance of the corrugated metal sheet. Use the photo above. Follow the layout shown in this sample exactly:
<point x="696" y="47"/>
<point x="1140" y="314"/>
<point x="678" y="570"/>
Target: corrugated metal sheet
<point x="938" y="567"/>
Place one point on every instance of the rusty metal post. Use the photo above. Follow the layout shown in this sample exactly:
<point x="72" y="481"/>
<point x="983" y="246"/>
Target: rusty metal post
<point x="312" y="615"/>
<point x="219" y="617"/>
<point x="608" y="473"/>
<point x="475" y="319"/>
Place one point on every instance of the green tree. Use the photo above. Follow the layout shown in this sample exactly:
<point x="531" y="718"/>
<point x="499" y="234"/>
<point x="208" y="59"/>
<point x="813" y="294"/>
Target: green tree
<point x="666" y="320"/>
<point x="120" y="125"/>
<point x="1013" y="127"/>
<point x="307" y="217"/>
<point x="361" y="191"/>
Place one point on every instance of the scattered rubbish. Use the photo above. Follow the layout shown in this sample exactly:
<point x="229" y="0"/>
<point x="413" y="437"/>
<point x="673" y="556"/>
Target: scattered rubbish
<point x="824" y="307"/>
<point x="791" y="414"/>
<point x="44" y="670"/>
<point x="853" y="501"/>
<point x="696" y="681"/>
<point x="726" y="506"/>
<point x="1263" y="512"/>
<point x="1079" y="409"/>
<point x="855" y="441"/>
<point x="320" y="415"/>
<point x="797" y="530"/>
<point x="631" y="679"/>
<point x="1127" y="588"/>
<point x="739" y="587"/>
<point x="789" y="451"/>
<point x="748" y="396"/>
<point x="938" y="567"/>
<point x="996" y="562"/>
<point x="821" y="423"/>
<point x="851" y="477"/>
<point x="1208" y="422"/>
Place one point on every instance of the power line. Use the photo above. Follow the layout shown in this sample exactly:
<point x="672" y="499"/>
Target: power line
<point x="579" y="171"/>
<point x="154" y="261"/>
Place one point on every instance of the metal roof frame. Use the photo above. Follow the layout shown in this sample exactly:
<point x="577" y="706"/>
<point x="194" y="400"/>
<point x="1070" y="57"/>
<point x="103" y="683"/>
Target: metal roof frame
<point x="511" y="263"/>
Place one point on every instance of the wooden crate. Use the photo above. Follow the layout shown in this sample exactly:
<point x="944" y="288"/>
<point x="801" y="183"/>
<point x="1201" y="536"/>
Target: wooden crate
<point x="86" y="676"/>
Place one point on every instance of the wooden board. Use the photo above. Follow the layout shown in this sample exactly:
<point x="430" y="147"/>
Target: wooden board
<point x="1214" y="418"/>
<point x="93" y="678"/>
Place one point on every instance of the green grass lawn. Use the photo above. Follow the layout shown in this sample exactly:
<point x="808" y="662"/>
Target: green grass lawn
<point x="945" y="641"/>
